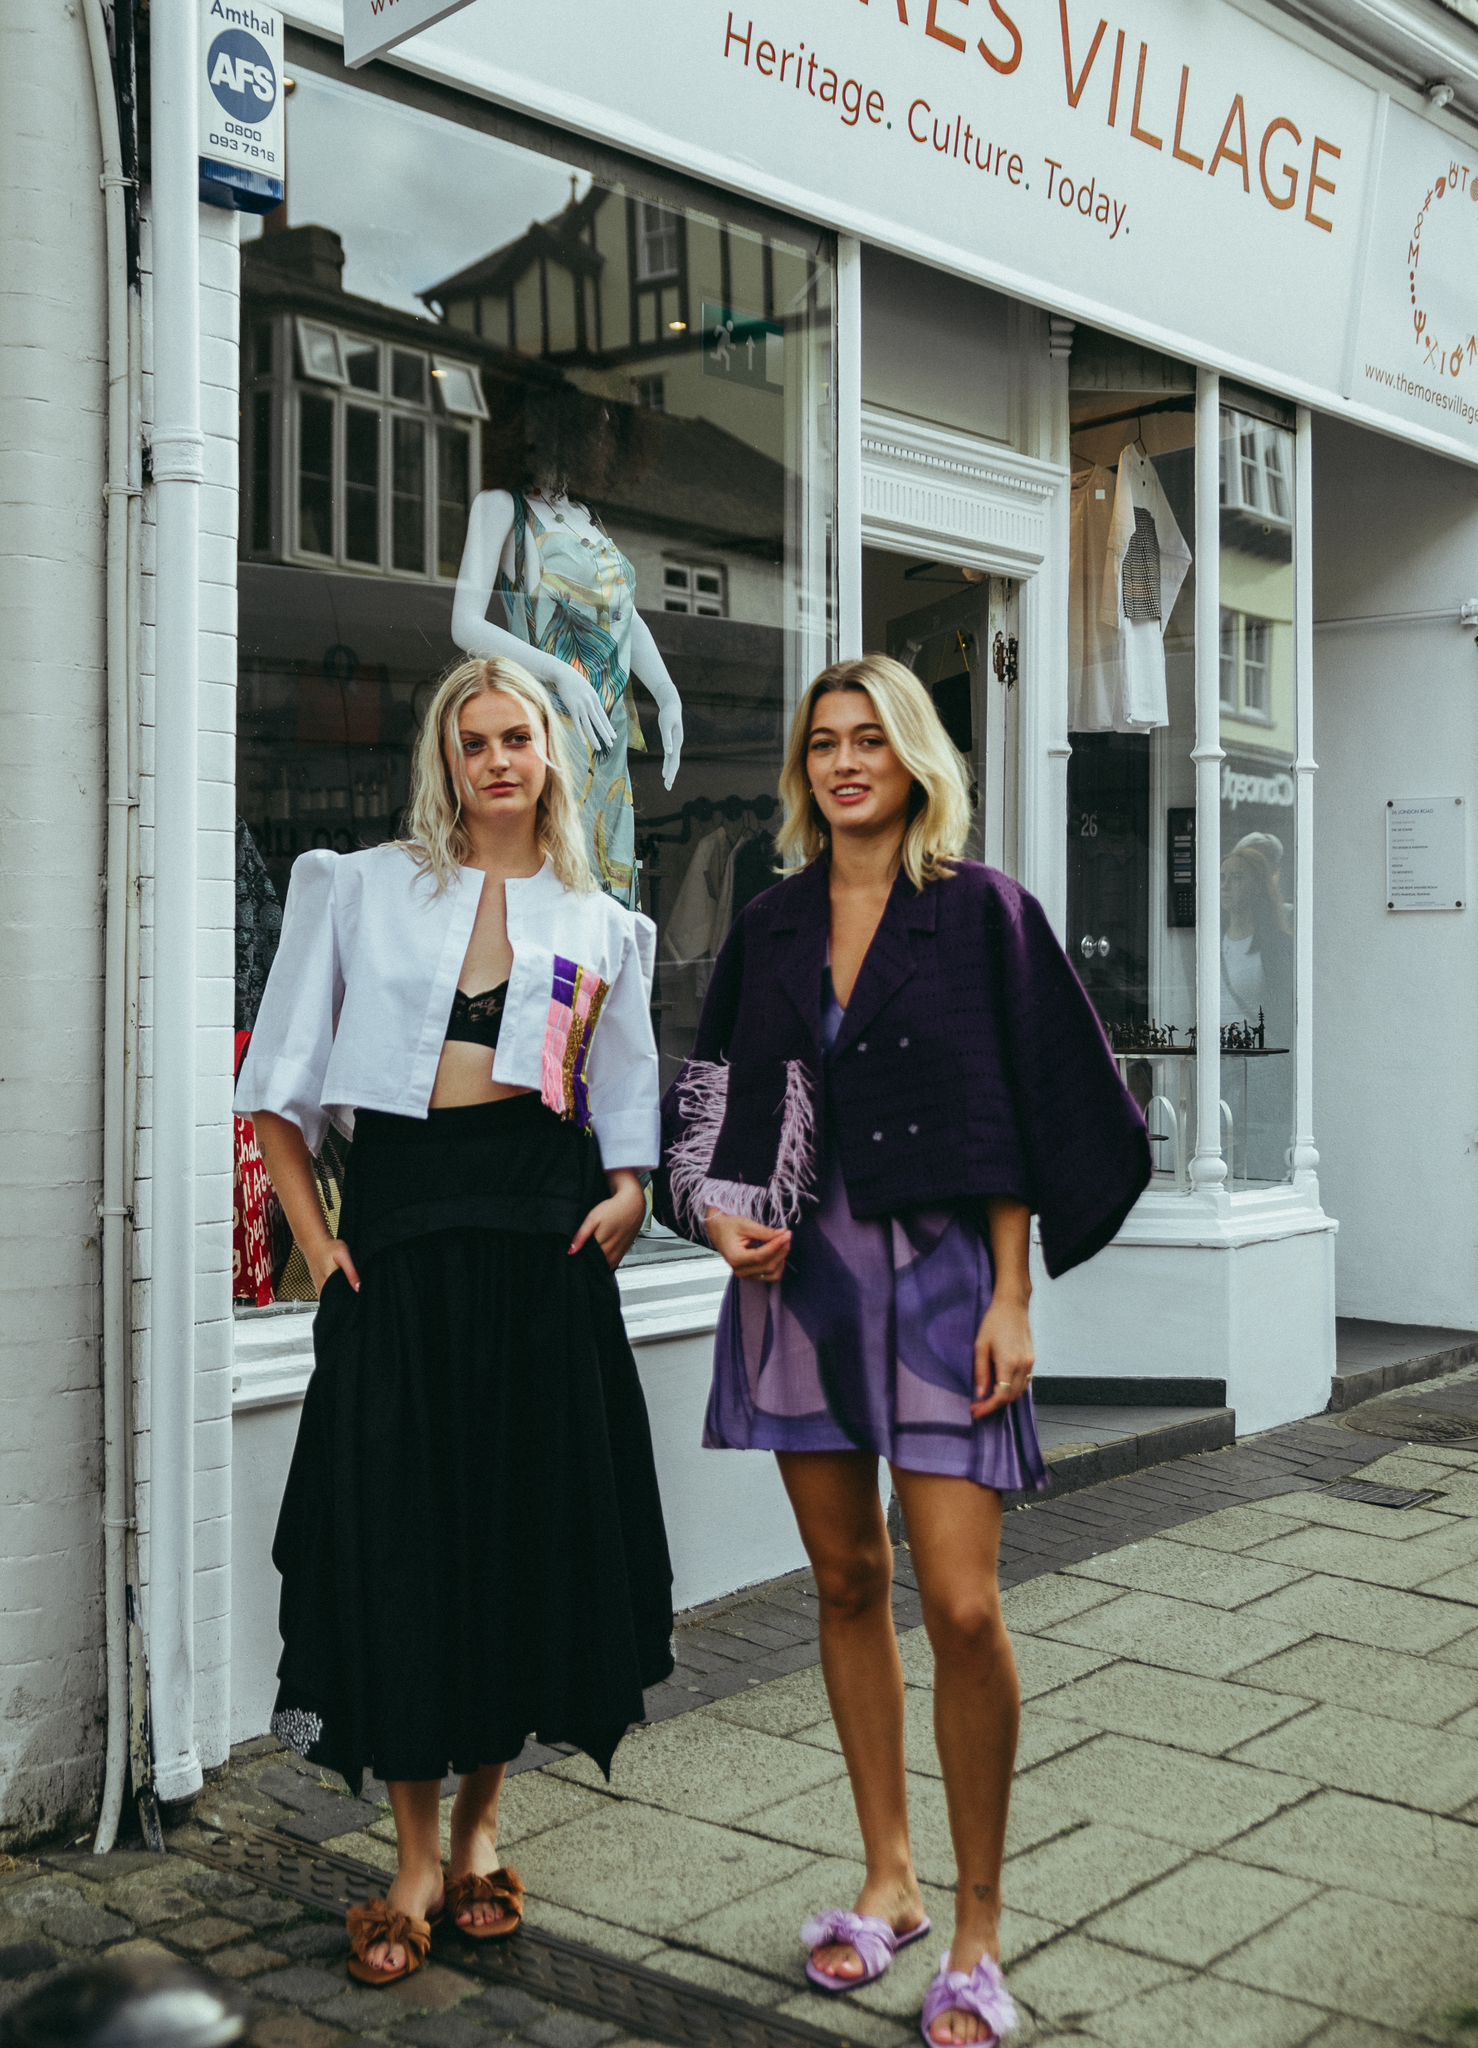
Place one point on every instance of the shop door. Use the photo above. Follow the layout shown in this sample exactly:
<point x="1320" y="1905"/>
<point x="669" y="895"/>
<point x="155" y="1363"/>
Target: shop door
<point x="1108" y="871"/>
<point x="962" y="647"/>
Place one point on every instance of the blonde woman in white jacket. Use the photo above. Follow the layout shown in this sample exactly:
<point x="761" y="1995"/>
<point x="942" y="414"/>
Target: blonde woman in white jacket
<point x="471" y="1542"/>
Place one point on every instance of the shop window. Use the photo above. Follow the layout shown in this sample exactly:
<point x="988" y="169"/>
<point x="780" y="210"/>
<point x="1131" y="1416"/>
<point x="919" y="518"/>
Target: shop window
<point x="1258" y="830"/>
<point x="659" y="242"/>
<point x="1131" y="774"/>
<point x="401" y="376"/>
<point x="698" y="588"/>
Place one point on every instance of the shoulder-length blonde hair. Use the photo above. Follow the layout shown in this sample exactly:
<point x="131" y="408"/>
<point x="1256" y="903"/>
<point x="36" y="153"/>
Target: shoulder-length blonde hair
<point x="939" y="813"/>
<point x="435" y="829"/>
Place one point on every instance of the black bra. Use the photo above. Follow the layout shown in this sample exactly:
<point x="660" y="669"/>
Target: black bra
<point x="475" y="1020"/>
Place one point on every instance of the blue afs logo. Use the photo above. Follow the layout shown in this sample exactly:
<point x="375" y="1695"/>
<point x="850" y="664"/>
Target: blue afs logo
<point x="241" y="76"/>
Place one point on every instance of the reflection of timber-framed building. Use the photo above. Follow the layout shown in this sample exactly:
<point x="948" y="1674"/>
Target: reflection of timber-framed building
<point x="366" y="431"/>
<point x="1178" y="526"/>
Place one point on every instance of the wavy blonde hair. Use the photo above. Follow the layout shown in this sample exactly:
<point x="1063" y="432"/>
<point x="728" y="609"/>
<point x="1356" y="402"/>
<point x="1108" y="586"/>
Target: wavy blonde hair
<point x="435" y="830"/>
<point x="939" y="813"/>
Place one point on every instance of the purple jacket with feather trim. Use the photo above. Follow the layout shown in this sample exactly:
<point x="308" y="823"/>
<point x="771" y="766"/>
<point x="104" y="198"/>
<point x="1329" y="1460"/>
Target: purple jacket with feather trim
<point x="970" y="1063"/>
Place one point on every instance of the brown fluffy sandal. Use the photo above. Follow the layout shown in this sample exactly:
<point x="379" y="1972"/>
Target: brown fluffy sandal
<point x="375" y="1922"/>
<point x="503" y="1889"/>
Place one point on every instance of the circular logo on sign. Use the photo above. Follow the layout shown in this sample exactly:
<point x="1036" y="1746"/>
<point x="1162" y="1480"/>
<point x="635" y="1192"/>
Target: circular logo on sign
<point x="1439" y="261"/>
<point x="241" y="76"/>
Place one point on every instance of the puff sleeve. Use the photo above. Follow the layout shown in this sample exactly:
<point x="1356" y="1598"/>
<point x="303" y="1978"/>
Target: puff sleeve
<point x="622" y="1068"/>
<point x="1084" y="1140"/>
<point x="286" y="1062"/>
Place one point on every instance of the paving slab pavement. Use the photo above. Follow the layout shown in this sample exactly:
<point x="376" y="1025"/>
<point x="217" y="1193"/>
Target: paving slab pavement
<point x="1246" y="1809"/>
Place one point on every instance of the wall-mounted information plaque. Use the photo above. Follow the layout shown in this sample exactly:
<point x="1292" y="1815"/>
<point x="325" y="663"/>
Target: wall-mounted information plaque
<point x="1426" y="853"/>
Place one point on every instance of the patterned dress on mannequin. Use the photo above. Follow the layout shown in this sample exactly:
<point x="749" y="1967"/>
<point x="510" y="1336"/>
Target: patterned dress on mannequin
<point x="582" y="612"/>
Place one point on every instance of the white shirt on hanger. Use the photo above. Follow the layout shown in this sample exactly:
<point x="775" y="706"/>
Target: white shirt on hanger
<point x="1133" y="551"/>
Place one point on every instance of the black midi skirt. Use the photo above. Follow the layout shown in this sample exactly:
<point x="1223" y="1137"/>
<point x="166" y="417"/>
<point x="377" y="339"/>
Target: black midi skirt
<point x="471" y="1542"/>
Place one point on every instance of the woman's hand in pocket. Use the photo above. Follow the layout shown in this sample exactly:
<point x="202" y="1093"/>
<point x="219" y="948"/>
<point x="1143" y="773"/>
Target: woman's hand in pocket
<point x="615" y="1222"/>
<point x="332" y="1256"/>
<point x="752" y="1251"/>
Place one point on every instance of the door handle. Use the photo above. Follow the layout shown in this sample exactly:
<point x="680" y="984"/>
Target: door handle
<point x="1094" y="949"/>
<point x="1103" y="949"/>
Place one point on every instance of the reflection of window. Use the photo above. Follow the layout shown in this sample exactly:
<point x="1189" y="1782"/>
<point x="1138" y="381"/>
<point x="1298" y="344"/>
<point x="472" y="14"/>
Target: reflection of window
<point x="453" y="495"/>
<point x="375" y="479"/>
<point x="1256" y="680"/>
<point x="362" y="361"/>
<point x="698" y="588"/>
<point x="1228" y="660"/>
<point x="657" y="243"/>
<point x="408" y="375"/>
<point x="1246" y="666"/>
<point x="458" y="389"/>
<point x="650" y="392"/>
<point x="321" y="352"/>
<point x="315" y="474"/>
<point x="1254" y="469"/>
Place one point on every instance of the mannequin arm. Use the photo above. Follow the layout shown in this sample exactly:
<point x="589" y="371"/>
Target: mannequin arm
<point x="488" y="529"/>
<point x="648" y="668"/>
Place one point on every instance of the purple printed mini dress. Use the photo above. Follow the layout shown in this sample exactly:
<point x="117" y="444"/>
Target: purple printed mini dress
<point x="867" y="1342"/>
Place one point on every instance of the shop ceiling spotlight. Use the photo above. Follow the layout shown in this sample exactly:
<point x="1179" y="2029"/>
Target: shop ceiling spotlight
<point x="1440" y="92"/>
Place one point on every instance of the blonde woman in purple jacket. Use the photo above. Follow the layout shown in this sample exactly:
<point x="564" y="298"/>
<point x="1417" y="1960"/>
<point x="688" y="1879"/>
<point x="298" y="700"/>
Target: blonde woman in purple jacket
<point x="896" y="1066"/>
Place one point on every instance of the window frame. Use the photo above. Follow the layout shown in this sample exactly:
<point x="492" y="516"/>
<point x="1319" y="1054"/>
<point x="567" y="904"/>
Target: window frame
<point x="285" y="385"/>
<point x="667" y="231"/>
<point x="1242" y="704"/>
<point x="691" y="568"/>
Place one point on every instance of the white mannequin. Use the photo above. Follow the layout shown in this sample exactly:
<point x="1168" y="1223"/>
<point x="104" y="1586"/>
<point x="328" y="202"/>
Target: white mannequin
<point x="489" y="545"/>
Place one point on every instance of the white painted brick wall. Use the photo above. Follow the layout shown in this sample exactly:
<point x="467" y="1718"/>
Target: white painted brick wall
<point x="216" y="959"/>
<point x="52" y="818"/>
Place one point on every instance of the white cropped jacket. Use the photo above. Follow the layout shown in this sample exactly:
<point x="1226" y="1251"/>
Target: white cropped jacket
<point x="356" y="1007"/>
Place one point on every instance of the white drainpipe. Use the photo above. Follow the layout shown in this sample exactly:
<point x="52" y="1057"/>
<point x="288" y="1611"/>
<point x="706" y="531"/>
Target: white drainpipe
<point x="178" y="452"/>
<point x="122" y="913"/>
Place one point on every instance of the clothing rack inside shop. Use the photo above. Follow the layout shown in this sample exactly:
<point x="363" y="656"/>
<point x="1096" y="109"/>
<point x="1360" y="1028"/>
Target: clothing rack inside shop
<point x="702" y="810"/>
<point x="696" y="820"/>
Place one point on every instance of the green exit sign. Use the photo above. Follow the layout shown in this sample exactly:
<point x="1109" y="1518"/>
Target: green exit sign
<point x="743" y="348"/>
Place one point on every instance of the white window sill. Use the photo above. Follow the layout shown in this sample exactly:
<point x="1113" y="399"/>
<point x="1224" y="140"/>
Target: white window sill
<point x="660" y="1298"/>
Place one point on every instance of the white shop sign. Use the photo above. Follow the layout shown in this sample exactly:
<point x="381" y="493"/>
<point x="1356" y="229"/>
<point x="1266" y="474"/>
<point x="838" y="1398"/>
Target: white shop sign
<point x="242" y="134"/>
<point x="1426" y="853"/>
<point x="371" y="27"/>
<point x="1198" y="180"/>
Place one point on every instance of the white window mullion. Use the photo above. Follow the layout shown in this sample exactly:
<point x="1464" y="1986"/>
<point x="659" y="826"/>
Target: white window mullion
<point x="1209" y="1166"/>
<point x="1305" y="1153"/>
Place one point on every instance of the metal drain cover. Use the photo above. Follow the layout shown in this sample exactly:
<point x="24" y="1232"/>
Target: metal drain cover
<point x="566" y="1973"/>
<point x="1416" y="1422"/>
<point x="1374" y="1496"/>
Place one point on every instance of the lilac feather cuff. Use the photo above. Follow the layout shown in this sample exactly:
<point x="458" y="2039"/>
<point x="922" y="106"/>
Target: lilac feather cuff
<point x="703" y="1100"/>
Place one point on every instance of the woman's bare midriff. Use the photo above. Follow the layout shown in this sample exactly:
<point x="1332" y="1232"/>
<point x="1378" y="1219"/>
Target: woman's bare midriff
<point x="463" y="1077"/>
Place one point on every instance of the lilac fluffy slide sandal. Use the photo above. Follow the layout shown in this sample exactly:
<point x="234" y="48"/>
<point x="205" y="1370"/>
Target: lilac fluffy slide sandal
<point x="874" y="1940"/>
<point x="981" y="1992"/>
